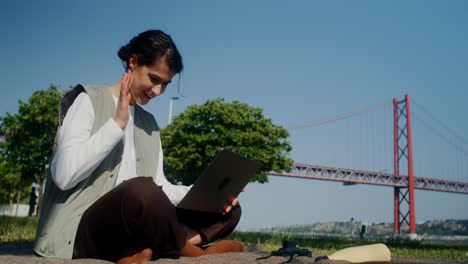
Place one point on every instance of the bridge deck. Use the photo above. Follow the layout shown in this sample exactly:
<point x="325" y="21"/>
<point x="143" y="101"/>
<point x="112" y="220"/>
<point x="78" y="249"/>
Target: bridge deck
<point x="350" y="176"/>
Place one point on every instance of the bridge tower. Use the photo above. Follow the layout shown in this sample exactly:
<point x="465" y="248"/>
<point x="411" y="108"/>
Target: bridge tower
<point x="403" y="148"/>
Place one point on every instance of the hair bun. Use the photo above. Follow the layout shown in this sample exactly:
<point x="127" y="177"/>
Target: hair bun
<point x="124" y="53"/>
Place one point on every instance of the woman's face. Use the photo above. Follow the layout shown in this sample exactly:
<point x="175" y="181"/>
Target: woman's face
<point x="148" y="82"/>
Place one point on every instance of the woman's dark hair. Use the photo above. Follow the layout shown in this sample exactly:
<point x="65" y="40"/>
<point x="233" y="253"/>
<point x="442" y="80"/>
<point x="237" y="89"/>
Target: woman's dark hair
<point x="151" y="46"/>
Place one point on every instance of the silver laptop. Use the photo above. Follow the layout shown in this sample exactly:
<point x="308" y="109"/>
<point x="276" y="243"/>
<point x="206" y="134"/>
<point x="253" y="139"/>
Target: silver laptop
<point x="223" y="179"/>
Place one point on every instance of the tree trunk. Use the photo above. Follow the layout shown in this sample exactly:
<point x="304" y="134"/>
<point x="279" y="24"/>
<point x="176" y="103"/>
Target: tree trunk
<point x="11" y="196"/>
<point x="18" y="199"/>
<point x="39" y="200"/>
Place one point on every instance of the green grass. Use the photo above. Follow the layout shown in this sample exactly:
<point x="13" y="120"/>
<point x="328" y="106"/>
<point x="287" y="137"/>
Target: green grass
<point x="23" y="229"/>
<point x="403" y="248"/>
<point x="17" y="229"/>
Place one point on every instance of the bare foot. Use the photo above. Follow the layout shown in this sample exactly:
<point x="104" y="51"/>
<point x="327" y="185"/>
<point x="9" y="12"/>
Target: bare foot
<point x="191" y="250"/>
<point x="225" y="246"/>
<point x="137" y="258"/>
<point x="222" y="246"/>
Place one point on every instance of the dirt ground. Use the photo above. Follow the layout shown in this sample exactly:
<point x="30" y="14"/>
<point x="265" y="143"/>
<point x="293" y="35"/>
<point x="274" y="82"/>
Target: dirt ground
<point x="21" y="253"/>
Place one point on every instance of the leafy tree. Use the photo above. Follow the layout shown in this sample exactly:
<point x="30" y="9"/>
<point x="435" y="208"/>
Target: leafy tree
<point x="10" y="183"/>
<point x="30" y="136"/>
<point x="195" y="136"/>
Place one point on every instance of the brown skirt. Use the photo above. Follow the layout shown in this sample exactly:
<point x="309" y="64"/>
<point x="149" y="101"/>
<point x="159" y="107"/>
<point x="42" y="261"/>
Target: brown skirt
<point x="137" y="214"/>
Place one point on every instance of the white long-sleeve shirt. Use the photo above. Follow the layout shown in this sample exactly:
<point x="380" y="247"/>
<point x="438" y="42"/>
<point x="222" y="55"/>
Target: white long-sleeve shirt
<point x="79" y="152"/>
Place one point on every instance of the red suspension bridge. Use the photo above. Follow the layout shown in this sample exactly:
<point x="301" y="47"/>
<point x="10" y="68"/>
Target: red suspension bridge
<point x="403" y="179"/>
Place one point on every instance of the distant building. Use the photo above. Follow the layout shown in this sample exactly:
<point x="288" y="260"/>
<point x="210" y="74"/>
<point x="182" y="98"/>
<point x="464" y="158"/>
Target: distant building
<point x="17" y="210"/>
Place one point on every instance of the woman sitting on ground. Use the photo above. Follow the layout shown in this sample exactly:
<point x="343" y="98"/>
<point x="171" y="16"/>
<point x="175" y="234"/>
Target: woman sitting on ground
<point x="97" y="204"/>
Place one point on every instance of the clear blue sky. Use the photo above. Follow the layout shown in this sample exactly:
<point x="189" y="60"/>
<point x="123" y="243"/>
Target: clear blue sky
<point x="299" y="60"/>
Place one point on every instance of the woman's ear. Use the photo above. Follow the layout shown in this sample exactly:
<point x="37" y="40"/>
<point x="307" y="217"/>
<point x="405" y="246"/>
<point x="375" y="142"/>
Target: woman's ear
<point x="132" y="62"/>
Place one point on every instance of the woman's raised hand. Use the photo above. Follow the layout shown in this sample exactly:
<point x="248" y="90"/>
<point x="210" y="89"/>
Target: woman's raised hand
<point x="122" y="113"/>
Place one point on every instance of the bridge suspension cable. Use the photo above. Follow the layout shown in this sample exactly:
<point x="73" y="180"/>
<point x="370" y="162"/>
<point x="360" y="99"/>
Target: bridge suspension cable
<point x="444" y="155"/>
<point x="439" y="134"/>
<point x="451" y="131"/>
<point x="339" y="117"/>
